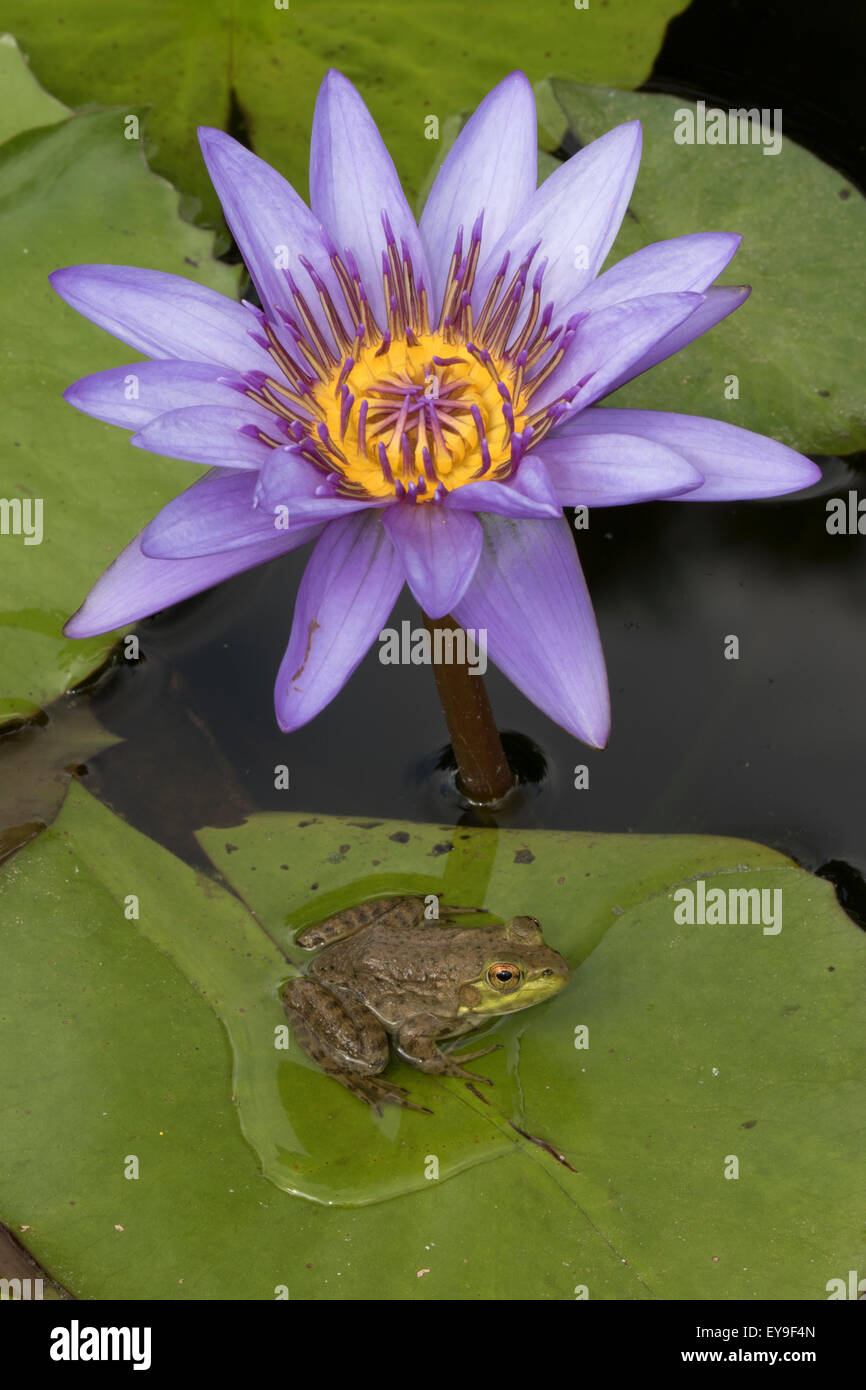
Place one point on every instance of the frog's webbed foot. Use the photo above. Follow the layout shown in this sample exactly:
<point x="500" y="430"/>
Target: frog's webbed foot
<point x="377" y="1092"/>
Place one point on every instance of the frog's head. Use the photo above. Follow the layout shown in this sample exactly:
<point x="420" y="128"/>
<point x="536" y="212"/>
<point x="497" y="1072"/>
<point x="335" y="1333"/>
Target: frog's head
<point x="523" y="971"/>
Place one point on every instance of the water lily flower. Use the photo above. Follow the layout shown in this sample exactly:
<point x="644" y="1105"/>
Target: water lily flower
<point x="420" y="398"/>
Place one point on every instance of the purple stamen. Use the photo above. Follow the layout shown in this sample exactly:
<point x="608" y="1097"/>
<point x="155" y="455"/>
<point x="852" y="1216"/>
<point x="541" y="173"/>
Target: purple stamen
<point x="255" y="379"/>
<point x="346" y="403"/>
<point x="408" y="460"/>
<point x="384" y="464"/>
<point x="389" y="235"/>
<point x="346" y="369"/>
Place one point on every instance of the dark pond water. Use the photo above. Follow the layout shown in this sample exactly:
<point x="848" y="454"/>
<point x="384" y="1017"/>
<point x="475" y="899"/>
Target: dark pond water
<point x="769" y="747"/>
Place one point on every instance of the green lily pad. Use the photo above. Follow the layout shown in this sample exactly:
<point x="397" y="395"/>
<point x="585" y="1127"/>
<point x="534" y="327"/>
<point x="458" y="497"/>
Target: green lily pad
<point x="795" y="345"/>
<point x="152" y="1038"/>
<point x="72" y="192"/>
<point x="210" y="61"/>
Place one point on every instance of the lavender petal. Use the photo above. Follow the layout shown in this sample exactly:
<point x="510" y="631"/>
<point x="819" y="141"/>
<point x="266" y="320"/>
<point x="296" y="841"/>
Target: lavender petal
<point x="348" y="590"/>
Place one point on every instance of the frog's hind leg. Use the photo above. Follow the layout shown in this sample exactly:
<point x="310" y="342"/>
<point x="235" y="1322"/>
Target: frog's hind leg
<point x="402" y="911"/>
<point x="345" y="1039"/>
<point x="417" y="1042"/>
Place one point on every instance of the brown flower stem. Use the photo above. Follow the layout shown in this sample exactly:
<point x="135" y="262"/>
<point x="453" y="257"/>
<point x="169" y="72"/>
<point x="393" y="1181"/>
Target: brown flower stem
<point x="483" y="774"/>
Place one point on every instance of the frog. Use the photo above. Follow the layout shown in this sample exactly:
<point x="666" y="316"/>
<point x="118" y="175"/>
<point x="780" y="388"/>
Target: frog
<point x="386" y="976"/>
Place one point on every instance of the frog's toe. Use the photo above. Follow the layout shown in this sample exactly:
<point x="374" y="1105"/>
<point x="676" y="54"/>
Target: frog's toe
<point x="376" y="1092"/>
<point x="471" y="1076"/>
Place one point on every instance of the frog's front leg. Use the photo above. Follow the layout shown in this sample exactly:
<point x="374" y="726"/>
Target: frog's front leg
<point x="417" y="1041"/>
<point x="344" y="1038"/>
<point x="397" y="912"/>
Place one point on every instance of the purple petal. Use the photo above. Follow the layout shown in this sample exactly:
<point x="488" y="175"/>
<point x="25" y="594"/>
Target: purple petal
<point x="349" y="587"/>
<point x="719" y="301"/>
<point x="681" y="263"/>
<point x="735" y="463"/>
<point x="272" y="226"/>
<point x="575" y="215"/>
<point x="214" y="434"/>
<point x="135" y="585"/>
<point x="609" y="342"/>
<point x="438" y="549"/>
<point x="353" y="182"/>
<point x="163" y="315"/>
<point x="530" y="597"/>
<point x="288" y="480"/>
<point x="491" y="168"/>
<point x="529" y="493"/>
<point x="133" y="396"/>
<point x="216" y="514"/>
<point x="610" y="470"/>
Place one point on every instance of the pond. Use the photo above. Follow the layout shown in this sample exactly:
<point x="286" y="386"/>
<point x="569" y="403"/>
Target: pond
<point x="732" y="634"/>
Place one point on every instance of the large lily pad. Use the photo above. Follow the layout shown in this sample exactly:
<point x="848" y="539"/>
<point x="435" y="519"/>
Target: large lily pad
<point x="152" y="1037"/>
<point x="795" y="345"/>
<point x="209" y="62"/>
<point x="71" y="191"/>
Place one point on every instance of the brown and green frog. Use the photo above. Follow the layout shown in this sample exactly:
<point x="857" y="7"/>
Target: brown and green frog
<point x="386" y="972"/>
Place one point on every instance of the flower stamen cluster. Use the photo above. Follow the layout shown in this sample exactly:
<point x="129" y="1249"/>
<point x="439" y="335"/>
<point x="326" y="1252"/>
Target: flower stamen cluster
<point x="405" y="410"/>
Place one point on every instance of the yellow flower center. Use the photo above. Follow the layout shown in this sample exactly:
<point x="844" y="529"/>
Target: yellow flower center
<point x="419" y="414"/>
<point x="401" y="409"/>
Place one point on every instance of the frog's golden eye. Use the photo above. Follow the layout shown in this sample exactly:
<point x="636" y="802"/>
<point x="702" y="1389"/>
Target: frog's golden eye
<point x="504" y="976"/>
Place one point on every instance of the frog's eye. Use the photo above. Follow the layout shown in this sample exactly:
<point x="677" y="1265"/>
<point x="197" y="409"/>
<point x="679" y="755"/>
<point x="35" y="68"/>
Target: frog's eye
<point x="504" y="977"/>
